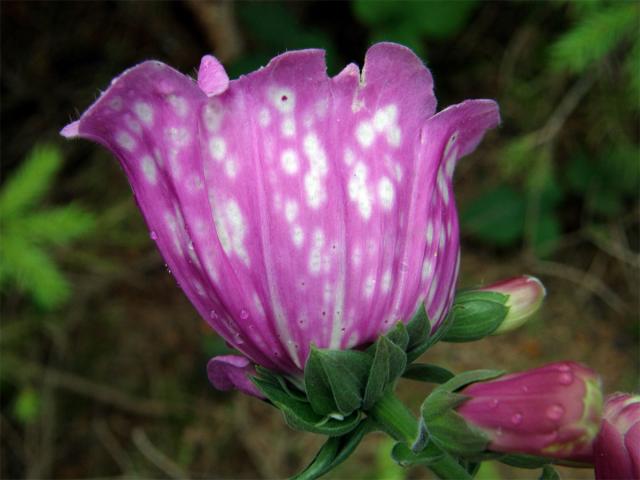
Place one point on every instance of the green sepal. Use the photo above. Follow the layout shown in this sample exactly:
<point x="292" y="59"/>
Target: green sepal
<point x="476" y="314"/>
<point x="405" y="457"/>
<point x="549" y="473"/>
<point x="441" y="424"/>
<point x="426" y="340"/>
<point x="276" y="379"/>
<point x="465" y="378"/>
<point x="399" y="335"/>
<point x="524" y="461"/>
<point x="418" y="328"/>
<point x="334" y="451"/>
<point x="452" y="433"/>
<point x="299" y="415"/>
<point x="389" y="361"/>
<point x="424" y="372"/>
<point x="334" y="380"/>
<point x="439" y="403"/>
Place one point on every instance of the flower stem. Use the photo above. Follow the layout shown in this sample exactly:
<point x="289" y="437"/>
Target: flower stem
<point x="397" y="420"/>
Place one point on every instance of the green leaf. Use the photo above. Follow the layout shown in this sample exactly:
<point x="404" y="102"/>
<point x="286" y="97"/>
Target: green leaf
<point x="335" y="380"/>
<point x="335" y="451"/>
<point x="549" y="473"/>
<point x="594" y="36"/>
<point x="300" y="416"/>
<point x="32" y="179"/>
<point x="496" y="216"/>
<point x="427" y="373"/>
<point x="26" y="407"/>
<point x="436" y="19"/>
<point x="546" y="234"/>
<point x="476" y="314"/>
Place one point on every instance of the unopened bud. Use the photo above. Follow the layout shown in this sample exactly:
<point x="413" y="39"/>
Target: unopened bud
<point x="551" y="411"/>
<point x="616" y="451"/>
<point x="525" y="296"/>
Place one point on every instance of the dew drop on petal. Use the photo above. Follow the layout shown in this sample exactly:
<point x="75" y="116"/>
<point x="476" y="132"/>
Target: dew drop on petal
<point x="565" y="378"/>
<point x="516" y="419"/>
<point x="494" y="403"/>
<point x="244" y="314"/>
<point x="153" y="235"/>
<point x="525" y="389"/>
<point x="213" y="314"/>
<point x="555" y="412"/>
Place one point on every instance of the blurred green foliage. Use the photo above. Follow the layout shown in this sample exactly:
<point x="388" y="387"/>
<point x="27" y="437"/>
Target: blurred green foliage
<point x="599" y="54"/>
<point x="273" y="28"/>
<point x="411" y="22"/>
<point x="29" y="232"/>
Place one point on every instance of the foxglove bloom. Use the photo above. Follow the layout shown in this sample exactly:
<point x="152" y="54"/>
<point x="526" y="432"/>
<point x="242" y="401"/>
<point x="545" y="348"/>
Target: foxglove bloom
<point x="616" y="451"/>
<point x="294" y="208"/>
<point x="551" y="411"/>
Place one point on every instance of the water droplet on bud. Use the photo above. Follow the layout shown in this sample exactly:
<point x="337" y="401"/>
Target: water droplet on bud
<point x="244" y="314"/>
<point x="153" y="235"/>
<point x="494" y="403"/>
<point x="565" y="378"/>
<point x="213" y="315"/>
<point x="555" y="412"/>
<point x="525" y="389"/>
<point x="516" y="419"/>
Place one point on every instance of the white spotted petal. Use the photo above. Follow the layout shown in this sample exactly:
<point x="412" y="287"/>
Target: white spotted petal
<point x="295" y="208"/>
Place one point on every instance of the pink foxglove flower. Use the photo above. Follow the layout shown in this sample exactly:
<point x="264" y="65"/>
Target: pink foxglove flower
<point x="294" y="208"/>
<point x="616" y="451"/>
<point x="551" y="411"/>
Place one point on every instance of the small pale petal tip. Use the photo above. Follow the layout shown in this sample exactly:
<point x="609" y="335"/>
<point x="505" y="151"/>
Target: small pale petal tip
<point x="212" y="78"/>
<point x="71" y="130"/>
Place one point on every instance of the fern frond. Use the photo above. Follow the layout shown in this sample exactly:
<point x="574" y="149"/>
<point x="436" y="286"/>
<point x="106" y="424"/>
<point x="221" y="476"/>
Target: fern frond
<point x="32" y="179"/>
<point x="594" y="36"/>
<point x="57" y="226"/>
<point x="33" y="272"/>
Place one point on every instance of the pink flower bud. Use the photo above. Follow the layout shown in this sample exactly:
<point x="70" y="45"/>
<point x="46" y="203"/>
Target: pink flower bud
<point x="616" y="451"/>
<point x="525" y="293"/>
<point x="551" y="411"/>
<point x="294" y="208"/>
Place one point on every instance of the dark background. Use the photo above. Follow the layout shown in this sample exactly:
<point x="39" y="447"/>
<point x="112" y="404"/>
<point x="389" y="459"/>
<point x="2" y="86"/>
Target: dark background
<point x="103" y="359"/>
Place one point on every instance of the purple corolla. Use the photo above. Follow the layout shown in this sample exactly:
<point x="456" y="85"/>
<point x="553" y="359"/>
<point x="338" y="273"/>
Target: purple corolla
<point x="293" y="208"/>
<point x="616" y="450"/>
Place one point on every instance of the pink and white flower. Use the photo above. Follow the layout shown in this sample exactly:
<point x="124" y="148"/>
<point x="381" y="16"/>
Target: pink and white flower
<point x="294" y="208"/>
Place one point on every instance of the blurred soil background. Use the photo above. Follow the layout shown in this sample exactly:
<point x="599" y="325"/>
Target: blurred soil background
<point x="103" y="359"/>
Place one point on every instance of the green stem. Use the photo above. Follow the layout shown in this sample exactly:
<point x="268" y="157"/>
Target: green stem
<point x="397" y="420"/>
